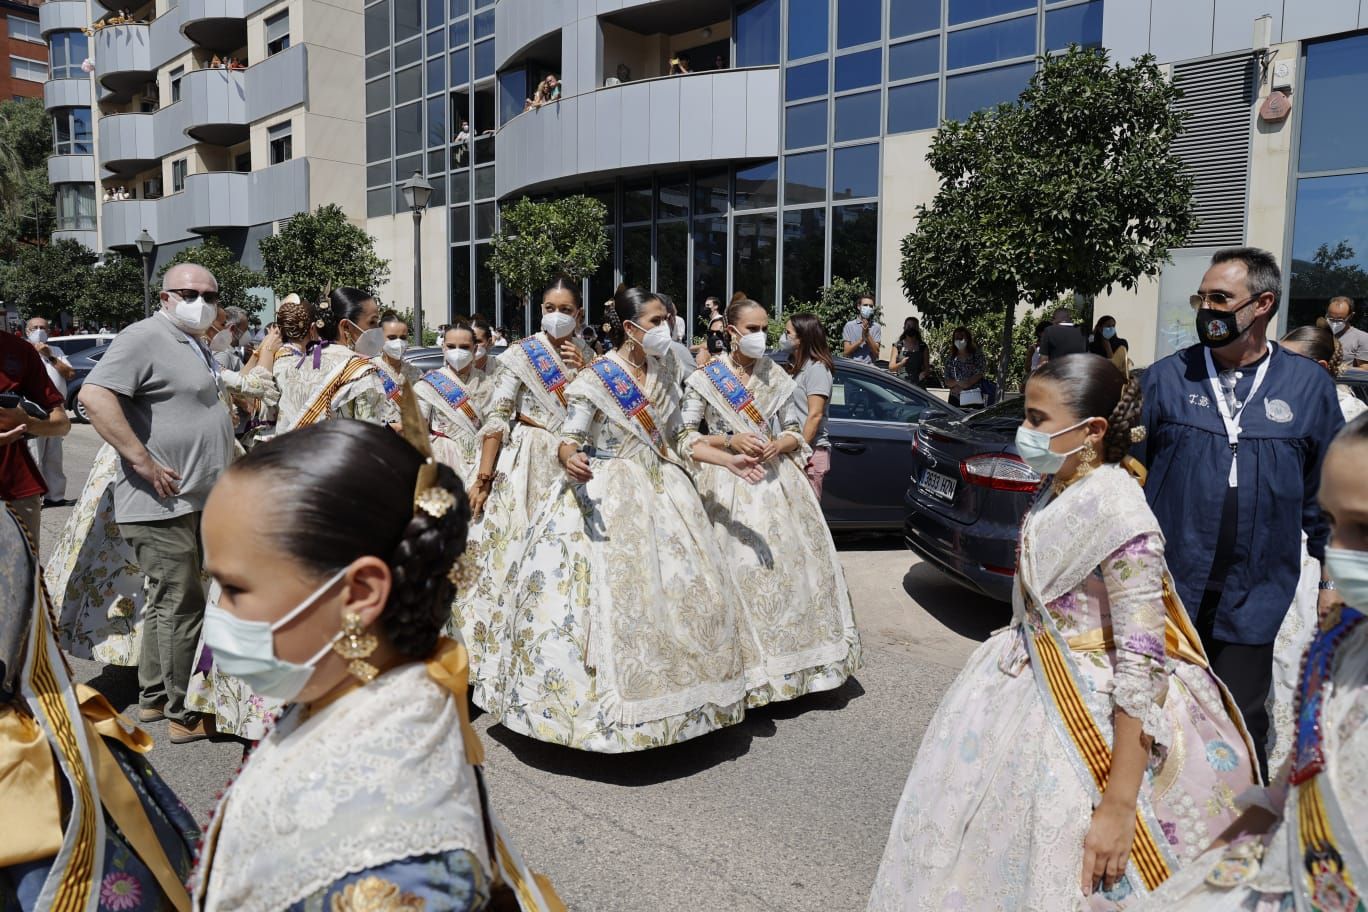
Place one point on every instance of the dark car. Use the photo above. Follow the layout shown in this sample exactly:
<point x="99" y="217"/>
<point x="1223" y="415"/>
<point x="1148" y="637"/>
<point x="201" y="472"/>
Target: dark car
<point x="1356" y="380"/>
<point x="969" y="493"/>
<point x="83" y="362"/>
<point x="430" y="357"/>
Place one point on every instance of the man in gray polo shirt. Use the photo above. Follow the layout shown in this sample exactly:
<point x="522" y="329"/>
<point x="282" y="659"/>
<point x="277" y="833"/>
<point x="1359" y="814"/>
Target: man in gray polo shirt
<point x="155" y="397"/>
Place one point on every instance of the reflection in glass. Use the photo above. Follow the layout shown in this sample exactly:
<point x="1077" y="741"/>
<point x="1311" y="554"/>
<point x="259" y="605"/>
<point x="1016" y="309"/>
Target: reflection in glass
<point x="854" y="241"/>
<point x="806" y="81"/>
<point x="460" y="224"/>
<point x="436" y="73"/>
<point x="1074" y="25"/>
<point x="914" y="107"/>
<point x="436" y="42"/>
<point x="710" y="260"/>
<point x="636" y="202"/>
<point x="377" y="65"/>
<point x="460" y="67"/>
<point x="407" y="53"/>
<point x="969" y="10"/>
<point x="636" y="256"/>
<point x="484" y="182"/>
<point x="857" y="116"/>
<point x="458" y="33"/>
<point x="854" y="71"/>
<point x="855" y="172"/>
<point x="754" y="259"/>
<point x="914" y="58"/>
<point x="601" y="285"/>
<point x="460" y="187"/>
<point x="484" y="283"/>
<point x="672" y="198"/>
<point x="484" y="220"/>
<point x="805" y="178"/>
<point x="379" y="202"/>
<point x="377" y="26"/>
<point x="757" y="187"/>
<point x="484" y="59"/>
<point x="408" y="85"/>
<point x="710" y="192"/>
<point x="484" y="25"/>
<point x="377" y="174"/>
<point x="408" y="19"/>
<point x="408" y="129"/>
<point x="436" y="122"/>
<point x="512" y="93"/>
<point x="804" y="254"/>
<point x="377" y="95"/>
<point x="973" y="91"/>
<point x="672" y="262"/>
<point x="1329" y="246"/>
<point x="807" y="28"/>
<point x="986" y="43"/>
<point x="757" y="34"/>
<point x="460" y="282"/>
<point x="857" y="22"/>
<point x="805" y="125"/>
<point x="377" y="137"/>
<point x="1336" y="83"/>
<point x="911" y="17"/>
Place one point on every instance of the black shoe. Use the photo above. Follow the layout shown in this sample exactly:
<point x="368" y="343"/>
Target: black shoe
<point x="57" y="503"/>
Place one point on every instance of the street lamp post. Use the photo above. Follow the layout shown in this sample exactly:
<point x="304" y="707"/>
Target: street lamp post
<point x="417" y="191"/>
<point x="145" y="245"/>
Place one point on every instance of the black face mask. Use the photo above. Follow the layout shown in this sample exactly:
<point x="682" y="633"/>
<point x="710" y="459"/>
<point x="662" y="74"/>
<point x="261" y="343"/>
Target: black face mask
<point x="1219" y="328"/>
<point x="717" y="341"/>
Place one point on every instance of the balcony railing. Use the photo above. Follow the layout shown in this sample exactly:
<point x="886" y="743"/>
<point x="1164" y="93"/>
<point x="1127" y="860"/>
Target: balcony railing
<point x="121" y="221"/>
<point x="71" y="169"/>
<point x="215" y="105"/>
<point x="127" y="142"/>
<point x="66" y="93"/>
<point x="220" y="25"/>
<point x="62" y="15"/>
<point x="123" y="58"/>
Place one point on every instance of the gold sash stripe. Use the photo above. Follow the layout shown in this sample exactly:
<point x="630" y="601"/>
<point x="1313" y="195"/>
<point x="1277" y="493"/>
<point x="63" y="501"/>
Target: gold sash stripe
<point x="1149" y="861"/>
<point x="1314" y="831"/>
<point x="318" y="408"/>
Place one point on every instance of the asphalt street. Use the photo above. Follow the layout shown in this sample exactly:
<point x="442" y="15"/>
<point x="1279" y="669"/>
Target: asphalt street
<point x="787" y="811"/>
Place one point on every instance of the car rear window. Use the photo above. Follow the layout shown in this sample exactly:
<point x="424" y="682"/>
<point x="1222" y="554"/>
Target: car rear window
<point x="1006" y="414"/>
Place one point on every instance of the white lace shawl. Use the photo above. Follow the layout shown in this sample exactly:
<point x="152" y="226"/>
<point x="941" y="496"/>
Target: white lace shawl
<point x="376" y="777"/>
<point x="1068" y="537"/>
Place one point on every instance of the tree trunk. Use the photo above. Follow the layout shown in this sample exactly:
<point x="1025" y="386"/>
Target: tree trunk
<point x="1005" y="359"/>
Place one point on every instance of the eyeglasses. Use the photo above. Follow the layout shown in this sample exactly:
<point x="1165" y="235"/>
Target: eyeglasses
<point x="185" y="294"/>
<point x="1214" y="299"/>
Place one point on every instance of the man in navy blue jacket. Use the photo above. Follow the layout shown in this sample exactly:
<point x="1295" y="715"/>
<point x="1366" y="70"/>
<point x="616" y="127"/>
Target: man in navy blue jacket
<point x="1237" y="431"/>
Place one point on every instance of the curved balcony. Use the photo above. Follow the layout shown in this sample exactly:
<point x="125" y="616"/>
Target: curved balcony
<point x="168" y="42"/>
<point x="219" y="25"/>
<point x="66" y="93"/>
<point x="83" y="236"/>
<point x="215" y="106"/>
<point x="121" y="221"/>
<point x="715" y="116"/>
<point x="71" y="169"/>
<point x="123" y="58"/>
<point x="213" y="201"/>
<point x="62" y="15"/>
<point x="127" y="143"/>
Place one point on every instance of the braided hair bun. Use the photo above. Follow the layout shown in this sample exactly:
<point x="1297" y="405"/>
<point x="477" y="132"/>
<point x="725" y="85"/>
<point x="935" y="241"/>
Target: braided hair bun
<point x="420" y="600"/>
<point x="1124" y="418"/>
<point x="1091" y="386"/>
<point x="296" y="318"/>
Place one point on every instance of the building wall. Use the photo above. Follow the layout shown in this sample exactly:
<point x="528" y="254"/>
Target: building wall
<point x="16" y="46"/>
<point x="1174" y="30"/>
<point x="907" y="182"/>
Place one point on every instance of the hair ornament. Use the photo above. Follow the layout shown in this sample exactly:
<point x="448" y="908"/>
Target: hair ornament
<point x="464" y="571"/>
<point x="1138" y="433"/>
<point x="435" y="501"/>
<point x="428" y="496"/>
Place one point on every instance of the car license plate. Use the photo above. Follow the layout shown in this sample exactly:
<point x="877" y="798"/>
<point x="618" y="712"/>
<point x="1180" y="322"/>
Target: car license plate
<point x="943" y="486"/>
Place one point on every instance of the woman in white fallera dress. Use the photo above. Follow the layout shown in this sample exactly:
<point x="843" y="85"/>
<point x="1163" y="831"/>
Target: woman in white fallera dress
<point x="623" y="626"/>
<point x="795" y="607"/>
<point x="1302" y="845"/>
<point x="453" y="400"/>
<point x="517" y="470"/>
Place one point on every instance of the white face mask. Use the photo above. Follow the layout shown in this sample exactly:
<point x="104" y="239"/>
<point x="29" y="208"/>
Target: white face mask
<point x="961" y="344"/>
<point x="38" y="336"/>
<point x="395" y="348"/>
<point x="1336" y="326"/>
<point x="246" y="649"/>
<point x="786" y="343"/>
<point x="193" y="315"/>
<point x="656" y="341"/>
<point x="1349" y="570"/>
<point x="459" y="358"/>
<point x="866" y="311"/>
<point x="481" y="351"/>
<point x="752" y="345"/>
<point x="558" y="325"/>
<point x="370" y="343"/>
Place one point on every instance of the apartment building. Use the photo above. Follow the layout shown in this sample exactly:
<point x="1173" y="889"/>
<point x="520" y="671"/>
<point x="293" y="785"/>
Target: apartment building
<point x="25" y="49"/>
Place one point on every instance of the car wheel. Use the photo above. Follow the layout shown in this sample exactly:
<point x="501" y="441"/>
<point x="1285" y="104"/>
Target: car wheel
<point x="77" y="410"/>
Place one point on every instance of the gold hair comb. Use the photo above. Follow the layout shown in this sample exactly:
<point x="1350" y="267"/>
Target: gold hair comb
<point x="1138" y="433"/>
<point x="428" y="496"/>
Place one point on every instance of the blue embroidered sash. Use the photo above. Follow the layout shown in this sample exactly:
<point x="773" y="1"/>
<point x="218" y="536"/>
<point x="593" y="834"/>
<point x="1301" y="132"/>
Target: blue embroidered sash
<point x="741" y="400"/>
<point x="392" y="388"/>
<point x="453" y="394"/>
<point x="547" y="368"/>
<point x="630" y="399"/>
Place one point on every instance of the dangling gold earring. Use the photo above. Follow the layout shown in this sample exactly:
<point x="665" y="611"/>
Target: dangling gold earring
<point x="1088" y="455"/>
<point x="356" y="646"/>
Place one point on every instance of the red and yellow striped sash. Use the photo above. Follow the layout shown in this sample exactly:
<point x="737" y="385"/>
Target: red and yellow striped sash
<point x="322" y="400"/>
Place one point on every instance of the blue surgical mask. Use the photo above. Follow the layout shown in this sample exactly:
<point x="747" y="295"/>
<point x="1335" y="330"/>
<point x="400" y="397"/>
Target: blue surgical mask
<point x="1349" y="570"/>
<point x="1108" y="332"/>
<point x="1033" y="447"/>
<point x="246" y="649"/>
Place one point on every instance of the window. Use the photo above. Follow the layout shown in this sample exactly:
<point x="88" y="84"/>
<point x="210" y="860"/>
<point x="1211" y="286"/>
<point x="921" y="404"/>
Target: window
<point x="409" y="52"/>
<point x="864" y="397"/>
<point x="277" y="33"/>
<point x="484" y="59"/>
<point x="986" y="43"/>
<point x="25" y="30"/>
<point x="66" y="53"/>
<point x="636" y="255"/>
<point x="436" y="124"/>
<point x="804" y="253"/>
<point x="969" y="10"/>
<point x="460" y="67"/>
<point x="176" y="75"/>
<point x="408" y="129"/>
<point x="379" y="202"/>
<point x="484" y="219"/>
<point x="855" y="172"/>
<point x="755" y="257"/>
<point x="807" y="28"/>
<point x="377" y="95"/>
<point x="710" y="193"/>
<point x="1335" y="83"/>
<point x="377" y="27"/>
<point x="71" y="131"/>
<point x="857" y="22"/>
<point x="408" y="19"/>
<point x="672" y="261"/>
<point x="484" y="25"/>
<point x="460" y="224"/>
<point x="179" y="168"/>
<point x="710" y="260"/>
<point x="459" y="33"/>
<point x="512" y="93"/>
<point x="1074" y="25"/>
<point x="757" y="34"/>
<point x="436" y="43"/>
<point x="914" y="107"/>
<point x="805" y="178"/>
<point x="30" y="70"/>
<point x="911" y="17"/>
<point x="805" y="125"/>
<point x="460" y="280"/>
<point x="857" y="116"/>
<point x="242" y="162"/>
<point x="377" y="65"/>
<point x="854" y="241"/>
<point x="855" y="71"/>
<point x="636" y="201"/>
<point x="75" y="207"/>
<point x="436" y="12"/>
<point x="914" y="58"/>
<point x="757" y="187"/>
<point x="408" y="85"/>
<point x="377" y="137"/>
<point x="974" y="91"/>
<point x="806" y="80"/>
<point x="672" y="197"/>
<point x="152" y="187"/>
<point x="280" y="142"/>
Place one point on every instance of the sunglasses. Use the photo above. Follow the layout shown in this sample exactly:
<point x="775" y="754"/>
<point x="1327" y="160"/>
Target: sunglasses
<point x="186" y="294"/>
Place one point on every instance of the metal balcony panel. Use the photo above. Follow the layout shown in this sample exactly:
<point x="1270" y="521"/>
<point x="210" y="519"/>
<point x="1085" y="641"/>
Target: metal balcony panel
<point x="60" y="15"/>
<point x="167" y="41"/>
<point x="168" y="128"/>
<point x="220" y="25"/>
<point x="216" y="106"/>
<point x="127" y="142"/>
<point x="66" y="93"/>
<point x="214" y="200"/>
<point x="123" y="220"/>
<point x="123" y="58"/>
<point x="71" y="169"/>
<point x="279" y="191"/>
<point x="84" y="237"/>
<point x="277" y="83"/>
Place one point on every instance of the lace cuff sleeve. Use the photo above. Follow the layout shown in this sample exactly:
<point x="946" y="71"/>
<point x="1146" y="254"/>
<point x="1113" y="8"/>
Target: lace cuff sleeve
<point x="579" y="418"/>
<point x="1134" y="578"/>
<point x="791" y="423"/>
<point x="503" y="405"/>
<point x="691" y="414"/>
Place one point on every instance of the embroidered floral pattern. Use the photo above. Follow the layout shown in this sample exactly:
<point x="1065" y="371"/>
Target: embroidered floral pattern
<point x="120" y="891"/>
<point x="374" y="894"/>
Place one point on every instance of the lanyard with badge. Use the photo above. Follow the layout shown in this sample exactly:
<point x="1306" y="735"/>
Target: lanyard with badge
<point x="1230" y="419"/>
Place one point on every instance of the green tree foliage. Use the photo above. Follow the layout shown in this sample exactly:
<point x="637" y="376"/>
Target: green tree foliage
<point x="321" y="249"/>
<point x="26" y="211"/>
<point x="836" y="305"/>
<point x="1073" y="188"/>
<point x="43" y="281"/>
<point x="234" y="279"/>
<point x="114" y="293"/>
<point x="538" y="241"/>
<point x="1331" y="271"/>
